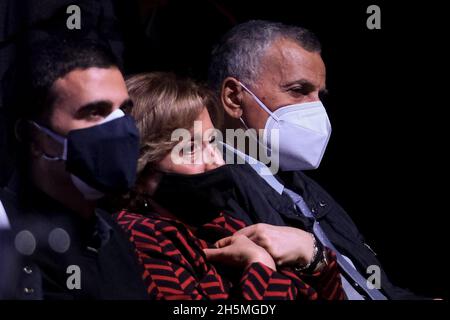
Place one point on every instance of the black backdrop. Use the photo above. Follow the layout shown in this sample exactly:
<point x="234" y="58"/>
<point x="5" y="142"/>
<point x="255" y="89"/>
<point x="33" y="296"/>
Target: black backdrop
<point x="385" y="161"/>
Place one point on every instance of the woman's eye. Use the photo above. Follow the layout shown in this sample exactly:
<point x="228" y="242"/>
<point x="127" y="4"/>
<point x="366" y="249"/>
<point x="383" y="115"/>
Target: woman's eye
<point x="188" y="149"/>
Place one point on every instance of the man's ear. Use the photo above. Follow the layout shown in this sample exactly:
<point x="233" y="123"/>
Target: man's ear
<point x="35" y="143"/>
<point x="231" y="97"/>
<point x="20" y="130"/>
<point x="26" y="133"/>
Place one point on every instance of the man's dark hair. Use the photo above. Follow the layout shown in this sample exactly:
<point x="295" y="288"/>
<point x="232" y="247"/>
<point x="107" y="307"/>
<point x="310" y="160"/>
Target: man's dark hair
<point x="31" y="96"/>
<point x="240" y="50"/>
<point x="52" y="59"/>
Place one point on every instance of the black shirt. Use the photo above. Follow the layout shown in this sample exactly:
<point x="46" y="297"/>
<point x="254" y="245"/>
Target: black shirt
<point x="341" y="230"/>
<point x="58" y="255"/>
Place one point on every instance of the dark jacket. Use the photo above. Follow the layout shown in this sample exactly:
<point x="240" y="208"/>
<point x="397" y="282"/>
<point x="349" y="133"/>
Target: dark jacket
<point x="340" y="229"/>
<point x="239" y="191"/>
<point x="106" y="259"/>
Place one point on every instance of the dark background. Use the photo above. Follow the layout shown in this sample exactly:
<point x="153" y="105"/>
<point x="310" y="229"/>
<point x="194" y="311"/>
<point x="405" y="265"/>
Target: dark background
<point x="385" y="163"/>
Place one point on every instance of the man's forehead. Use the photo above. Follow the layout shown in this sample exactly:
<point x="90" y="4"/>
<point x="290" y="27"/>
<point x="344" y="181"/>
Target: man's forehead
<point x="286" y="61"/>
<point x="82" y="86"/>
<point x="85" y="78"/>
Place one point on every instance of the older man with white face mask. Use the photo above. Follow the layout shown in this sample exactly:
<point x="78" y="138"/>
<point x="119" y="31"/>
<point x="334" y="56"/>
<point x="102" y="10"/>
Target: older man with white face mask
<point x="271" y="76"/>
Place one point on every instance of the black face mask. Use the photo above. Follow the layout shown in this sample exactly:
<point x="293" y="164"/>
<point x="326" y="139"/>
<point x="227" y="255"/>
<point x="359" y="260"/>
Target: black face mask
<point x="102" y="158"/>
<point x="198" y="198"/>
<point x="105" y="156"/>
<point x="234" y="189"/>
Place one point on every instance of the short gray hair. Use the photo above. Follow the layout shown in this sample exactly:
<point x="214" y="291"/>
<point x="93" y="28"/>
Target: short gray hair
<point x="239" y="52"/>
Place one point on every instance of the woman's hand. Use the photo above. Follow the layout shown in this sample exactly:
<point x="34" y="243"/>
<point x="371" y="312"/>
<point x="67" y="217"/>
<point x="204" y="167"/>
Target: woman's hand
<point x="239" y="251"/>
<point x="286" y="245"/>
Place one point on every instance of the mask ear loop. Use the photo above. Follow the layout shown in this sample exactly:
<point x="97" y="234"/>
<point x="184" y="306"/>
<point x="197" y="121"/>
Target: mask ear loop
<point x="55" y="137"/>
<point x="264" y="107"/>
<point x="260" y="103"/>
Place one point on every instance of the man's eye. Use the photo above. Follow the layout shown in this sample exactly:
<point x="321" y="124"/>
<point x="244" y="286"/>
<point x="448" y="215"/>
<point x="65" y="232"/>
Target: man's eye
<point x="98" y="112"/>
<point x="298" y="90"/>
<point x="95" y="113"/>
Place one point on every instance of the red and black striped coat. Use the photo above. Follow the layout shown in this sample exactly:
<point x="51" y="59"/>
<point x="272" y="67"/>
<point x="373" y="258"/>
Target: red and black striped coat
<point x="176" y="268"/>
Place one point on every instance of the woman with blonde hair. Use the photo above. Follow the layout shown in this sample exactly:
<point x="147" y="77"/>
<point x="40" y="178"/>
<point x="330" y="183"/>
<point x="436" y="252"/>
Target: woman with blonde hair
<point x="186" y="211"/>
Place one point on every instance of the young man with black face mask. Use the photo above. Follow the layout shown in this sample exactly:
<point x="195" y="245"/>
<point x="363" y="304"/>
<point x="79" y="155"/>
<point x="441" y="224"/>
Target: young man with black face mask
<point x="76" y="146"/>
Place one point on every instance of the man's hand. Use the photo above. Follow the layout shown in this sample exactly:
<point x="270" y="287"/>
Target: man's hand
<point x="286" y="245"/>
<point x="239" y="251"/>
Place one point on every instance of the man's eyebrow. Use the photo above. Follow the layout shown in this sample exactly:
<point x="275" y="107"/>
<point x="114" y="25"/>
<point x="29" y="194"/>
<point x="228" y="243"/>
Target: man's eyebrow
<point x="304" y="83"/>
<point x="100" y="106"/>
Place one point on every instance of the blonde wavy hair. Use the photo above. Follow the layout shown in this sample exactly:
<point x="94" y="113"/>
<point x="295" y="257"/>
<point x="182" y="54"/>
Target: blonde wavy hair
<point x="164" y="102"/>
